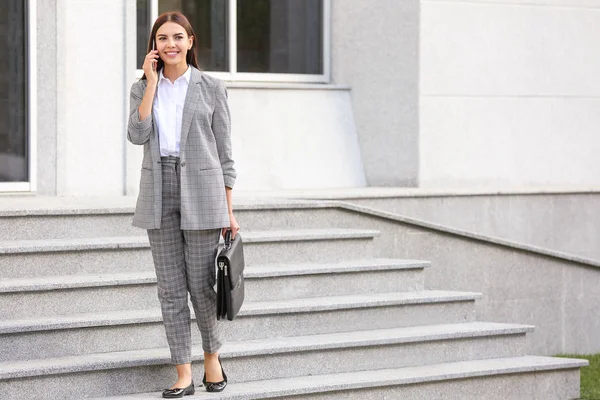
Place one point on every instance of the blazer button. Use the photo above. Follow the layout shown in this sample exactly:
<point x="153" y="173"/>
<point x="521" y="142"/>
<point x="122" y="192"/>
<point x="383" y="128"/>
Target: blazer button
<point x="183" y="164"/>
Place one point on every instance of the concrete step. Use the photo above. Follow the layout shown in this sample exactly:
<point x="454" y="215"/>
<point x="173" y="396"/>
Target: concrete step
<point x="511" y="378"/>
<point x="78" y="334"/>
<point x="27" y="258"/>
<point x="98" y="219"/>
<point x="57" y="295"/>
<point x="67" y="223"/>
<point x="272" y="358"/>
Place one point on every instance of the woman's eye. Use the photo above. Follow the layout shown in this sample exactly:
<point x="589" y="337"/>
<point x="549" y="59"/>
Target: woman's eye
<point x="176" y="38"/>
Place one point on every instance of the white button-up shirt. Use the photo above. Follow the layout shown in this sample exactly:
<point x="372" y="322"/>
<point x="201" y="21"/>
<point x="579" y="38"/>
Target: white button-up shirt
<point x="168" y="111"/>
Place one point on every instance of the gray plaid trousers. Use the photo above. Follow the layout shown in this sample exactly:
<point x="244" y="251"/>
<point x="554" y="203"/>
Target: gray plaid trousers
<point x="184" y="261"/>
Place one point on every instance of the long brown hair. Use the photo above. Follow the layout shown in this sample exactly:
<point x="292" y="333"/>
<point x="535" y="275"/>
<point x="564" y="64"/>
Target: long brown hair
<point x="179" y="19"/>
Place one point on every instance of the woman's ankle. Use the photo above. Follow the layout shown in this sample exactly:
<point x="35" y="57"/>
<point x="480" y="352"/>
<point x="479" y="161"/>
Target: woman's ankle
<point x="184" y="372"/>
<point x="184" y="377"/>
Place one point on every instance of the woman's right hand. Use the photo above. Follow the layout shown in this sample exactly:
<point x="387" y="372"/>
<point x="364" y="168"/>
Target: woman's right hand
<point x="149" y="66"/>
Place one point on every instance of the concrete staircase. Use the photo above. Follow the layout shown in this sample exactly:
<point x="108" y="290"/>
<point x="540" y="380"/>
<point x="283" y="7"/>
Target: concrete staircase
<point x="325" y="317"/>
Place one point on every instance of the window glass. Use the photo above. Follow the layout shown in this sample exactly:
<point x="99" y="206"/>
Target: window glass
<point x="13" y="92"/>
<point x="143" y="30"/>
<point x="280" y="36"/>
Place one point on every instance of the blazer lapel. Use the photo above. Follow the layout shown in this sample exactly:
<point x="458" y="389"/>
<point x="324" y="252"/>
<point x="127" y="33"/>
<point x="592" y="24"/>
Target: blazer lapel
<point x="190" y="105"/>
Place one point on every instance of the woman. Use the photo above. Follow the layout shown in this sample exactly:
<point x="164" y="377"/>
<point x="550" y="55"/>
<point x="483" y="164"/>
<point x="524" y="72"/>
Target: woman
<point x="181" y="117"/>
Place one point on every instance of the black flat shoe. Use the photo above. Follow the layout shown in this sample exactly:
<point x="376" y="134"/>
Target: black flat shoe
<point x="215" y="386"/>
<point x="178" y="393"/>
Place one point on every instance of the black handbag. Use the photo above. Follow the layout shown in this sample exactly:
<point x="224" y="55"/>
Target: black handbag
<point x="230" y="277"/>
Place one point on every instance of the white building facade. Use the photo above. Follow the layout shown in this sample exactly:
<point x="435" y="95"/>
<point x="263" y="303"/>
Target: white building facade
<point x="492" y="94"/>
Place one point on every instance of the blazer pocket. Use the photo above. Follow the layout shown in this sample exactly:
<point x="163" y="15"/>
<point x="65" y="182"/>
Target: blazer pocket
<point x="211" y="181"/>
<point x="208" y="169"/>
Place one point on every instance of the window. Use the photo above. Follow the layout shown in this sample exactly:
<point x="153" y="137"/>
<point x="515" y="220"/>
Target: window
<point x="14" y="137"/>
<point x="271" y="40"/>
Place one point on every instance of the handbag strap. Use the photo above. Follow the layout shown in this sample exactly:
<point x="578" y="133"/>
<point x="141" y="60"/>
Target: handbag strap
<point x="228" y="239"/>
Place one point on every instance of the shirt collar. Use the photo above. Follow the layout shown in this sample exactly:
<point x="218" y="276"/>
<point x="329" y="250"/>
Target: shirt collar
<point x="186" y="75"/>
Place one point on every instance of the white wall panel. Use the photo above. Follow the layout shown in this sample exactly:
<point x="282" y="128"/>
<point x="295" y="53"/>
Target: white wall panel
<point x="292" y="139"/>
<point x="510" y="93"/>
<point x="375" y="48"/>
<point x="509" y="142"/>
<point x="550" y="3"/>
<point x="484" y="48"/>
<point x="90" y="128"/>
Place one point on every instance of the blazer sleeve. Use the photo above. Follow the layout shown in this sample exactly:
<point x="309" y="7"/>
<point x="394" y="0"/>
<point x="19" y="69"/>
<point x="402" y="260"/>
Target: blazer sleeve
<point x="221" y="126"/>
<point x="138" y="132"/>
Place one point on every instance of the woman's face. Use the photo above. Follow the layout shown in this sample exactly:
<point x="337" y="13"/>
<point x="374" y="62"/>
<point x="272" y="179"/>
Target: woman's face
<point x="172" y="43"/>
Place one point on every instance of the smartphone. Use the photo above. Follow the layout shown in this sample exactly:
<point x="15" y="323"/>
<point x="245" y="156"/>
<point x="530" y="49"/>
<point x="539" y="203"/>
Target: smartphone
<point x="154" y="48"/>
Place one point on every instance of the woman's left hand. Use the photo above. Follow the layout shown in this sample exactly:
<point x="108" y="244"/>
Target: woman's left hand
<point x="233" y="225"/>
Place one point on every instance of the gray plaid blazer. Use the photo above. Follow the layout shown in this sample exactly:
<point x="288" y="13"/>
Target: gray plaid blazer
<point x="205" y="156"/>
